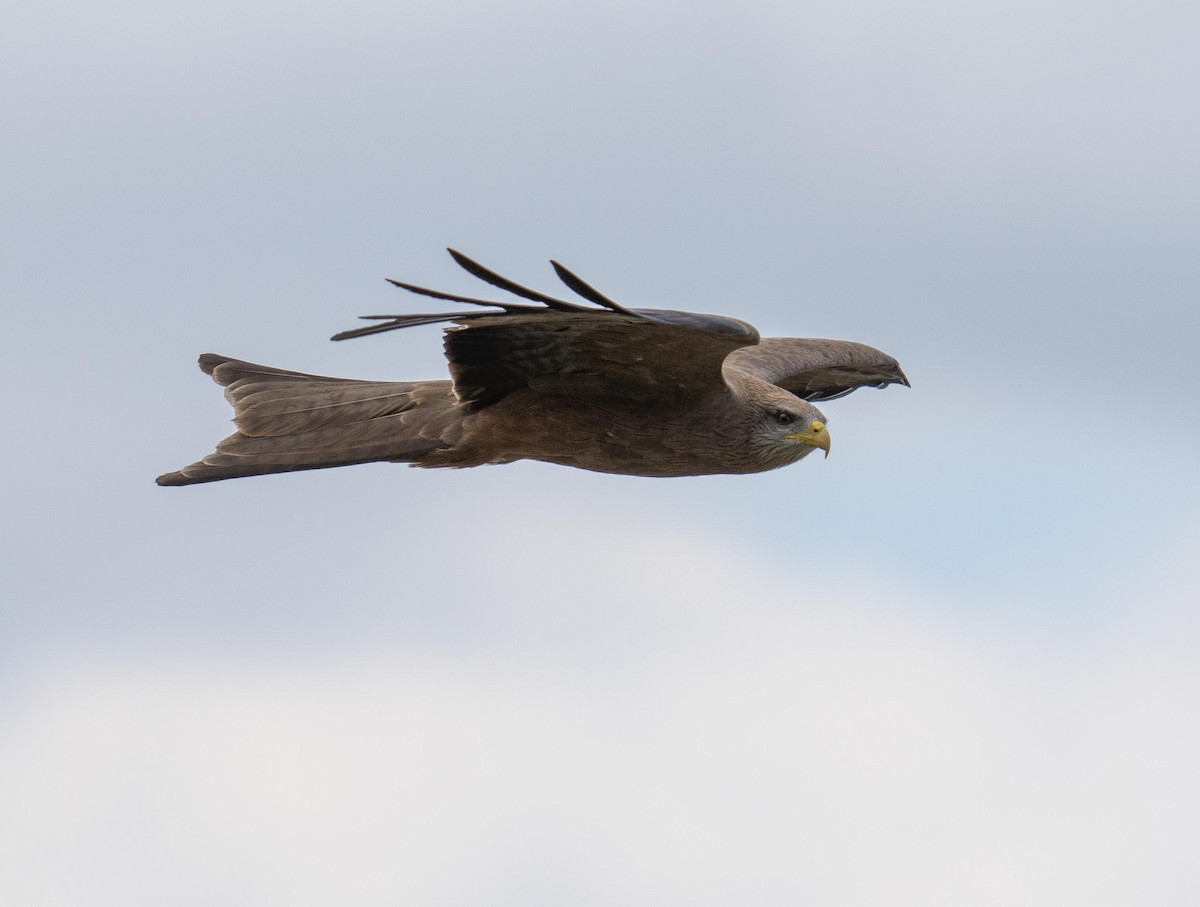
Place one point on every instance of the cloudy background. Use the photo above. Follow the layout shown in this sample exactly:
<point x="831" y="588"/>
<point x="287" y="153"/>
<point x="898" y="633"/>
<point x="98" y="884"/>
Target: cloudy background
<point x="955" y="663"/>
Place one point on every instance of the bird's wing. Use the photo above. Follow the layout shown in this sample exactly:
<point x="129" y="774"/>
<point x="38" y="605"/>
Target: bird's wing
<point x="559" y="347"/>
<point x="817" y="369"/>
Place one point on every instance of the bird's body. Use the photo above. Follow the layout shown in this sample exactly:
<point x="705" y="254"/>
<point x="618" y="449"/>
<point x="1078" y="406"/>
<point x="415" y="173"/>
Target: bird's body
<point x="608" y="389"/>
<point x="613" y="436"/>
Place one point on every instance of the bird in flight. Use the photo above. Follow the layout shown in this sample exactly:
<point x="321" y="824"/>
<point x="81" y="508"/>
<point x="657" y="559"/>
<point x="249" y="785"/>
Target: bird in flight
<point x="644" y="392"/>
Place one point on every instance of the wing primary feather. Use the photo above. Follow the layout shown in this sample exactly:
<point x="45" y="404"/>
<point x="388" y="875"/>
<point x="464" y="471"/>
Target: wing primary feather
<point x="487" y="275"/>
<point x="397" y="322"/>
<point x="367" y="331"/>
<point x="425" y="317"/>
<point x="577" y="285"/>
<point x="454" y="297"/>
<point x="573" y="281"/>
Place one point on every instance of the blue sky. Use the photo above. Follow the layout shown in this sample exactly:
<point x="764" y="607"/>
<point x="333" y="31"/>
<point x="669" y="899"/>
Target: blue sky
<point x="953" y="663"/>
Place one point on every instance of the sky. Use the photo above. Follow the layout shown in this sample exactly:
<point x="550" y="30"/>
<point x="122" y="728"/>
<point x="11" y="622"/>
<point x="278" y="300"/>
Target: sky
<point x="954" y="663"/>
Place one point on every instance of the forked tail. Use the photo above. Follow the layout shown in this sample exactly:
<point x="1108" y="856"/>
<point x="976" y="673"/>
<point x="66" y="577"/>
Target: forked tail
<point x="288" y="421"/>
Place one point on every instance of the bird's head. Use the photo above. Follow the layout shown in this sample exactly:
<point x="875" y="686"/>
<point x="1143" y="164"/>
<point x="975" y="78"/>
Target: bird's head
<point x="786" y="428"/>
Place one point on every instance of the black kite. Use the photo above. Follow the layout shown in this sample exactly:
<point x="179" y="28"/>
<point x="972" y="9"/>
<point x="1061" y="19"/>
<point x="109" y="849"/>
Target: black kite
<point x="634" y="391"/>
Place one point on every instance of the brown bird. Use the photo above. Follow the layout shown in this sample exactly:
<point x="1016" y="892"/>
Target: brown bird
<point x="642" y="392"/>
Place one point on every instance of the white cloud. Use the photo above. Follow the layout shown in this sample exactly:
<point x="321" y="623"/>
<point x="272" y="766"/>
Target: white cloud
<point x="718" y="736"/>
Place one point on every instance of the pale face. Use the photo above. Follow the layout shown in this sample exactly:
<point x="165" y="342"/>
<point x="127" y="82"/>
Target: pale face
<point x="788" y="428"/>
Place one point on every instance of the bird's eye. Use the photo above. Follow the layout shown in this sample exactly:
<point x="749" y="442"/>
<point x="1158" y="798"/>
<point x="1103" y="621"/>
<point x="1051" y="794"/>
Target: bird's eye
<point x="783" y="417"/>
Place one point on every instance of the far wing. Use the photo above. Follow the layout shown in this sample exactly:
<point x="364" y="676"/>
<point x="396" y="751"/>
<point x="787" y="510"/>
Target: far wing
<point x="564" y="348"/>
<point x="645" y="357"/>
<point x="817" y="369"/>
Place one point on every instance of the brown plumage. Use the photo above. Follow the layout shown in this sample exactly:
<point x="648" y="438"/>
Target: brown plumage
<point x="601" y="387"/>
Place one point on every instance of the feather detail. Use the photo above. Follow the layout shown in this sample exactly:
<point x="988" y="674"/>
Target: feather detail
<point x="290" y="420"/>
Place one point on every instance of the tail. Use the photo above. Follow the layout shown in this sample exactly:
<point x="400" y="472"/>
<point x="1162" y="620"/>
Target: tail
<point x="288" y="421"/>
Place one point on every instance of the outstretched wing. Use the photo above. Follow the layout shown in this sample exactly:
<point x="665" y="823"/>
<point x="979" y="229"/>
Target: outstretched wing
<point x="817" y="369"/>
<point x="563" y="348"/>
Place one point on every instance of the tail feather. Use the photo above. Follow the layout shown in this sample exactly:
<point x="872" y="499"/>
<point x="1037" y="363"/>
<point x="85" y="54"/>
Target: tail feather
<point x="289" y="421"/>
<point x="300" y="409"/>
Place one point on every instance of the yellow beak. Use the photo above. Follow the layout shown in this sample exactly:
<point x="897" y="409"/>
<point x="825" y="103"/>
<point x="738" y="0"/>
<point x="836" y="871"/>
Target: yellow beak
<point x="815" y="436"/>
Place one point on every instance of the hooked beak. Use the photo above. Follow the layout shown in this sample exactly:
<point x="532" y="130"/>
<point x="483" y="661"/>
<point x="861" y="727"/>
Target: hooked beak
<point x="815" y="435"/>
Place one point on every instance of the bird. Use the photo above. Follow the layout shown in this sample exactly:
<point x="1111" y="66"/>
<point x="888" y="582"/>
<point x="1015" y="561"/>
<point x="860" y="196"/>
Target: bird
<point x="592" y="385"/>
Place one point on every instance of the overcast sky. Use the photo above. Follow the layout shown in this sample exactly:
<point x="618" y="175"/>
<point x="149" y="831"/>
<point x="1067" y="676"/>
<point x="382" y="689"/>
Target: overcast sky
<point x="956" y="663"/>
